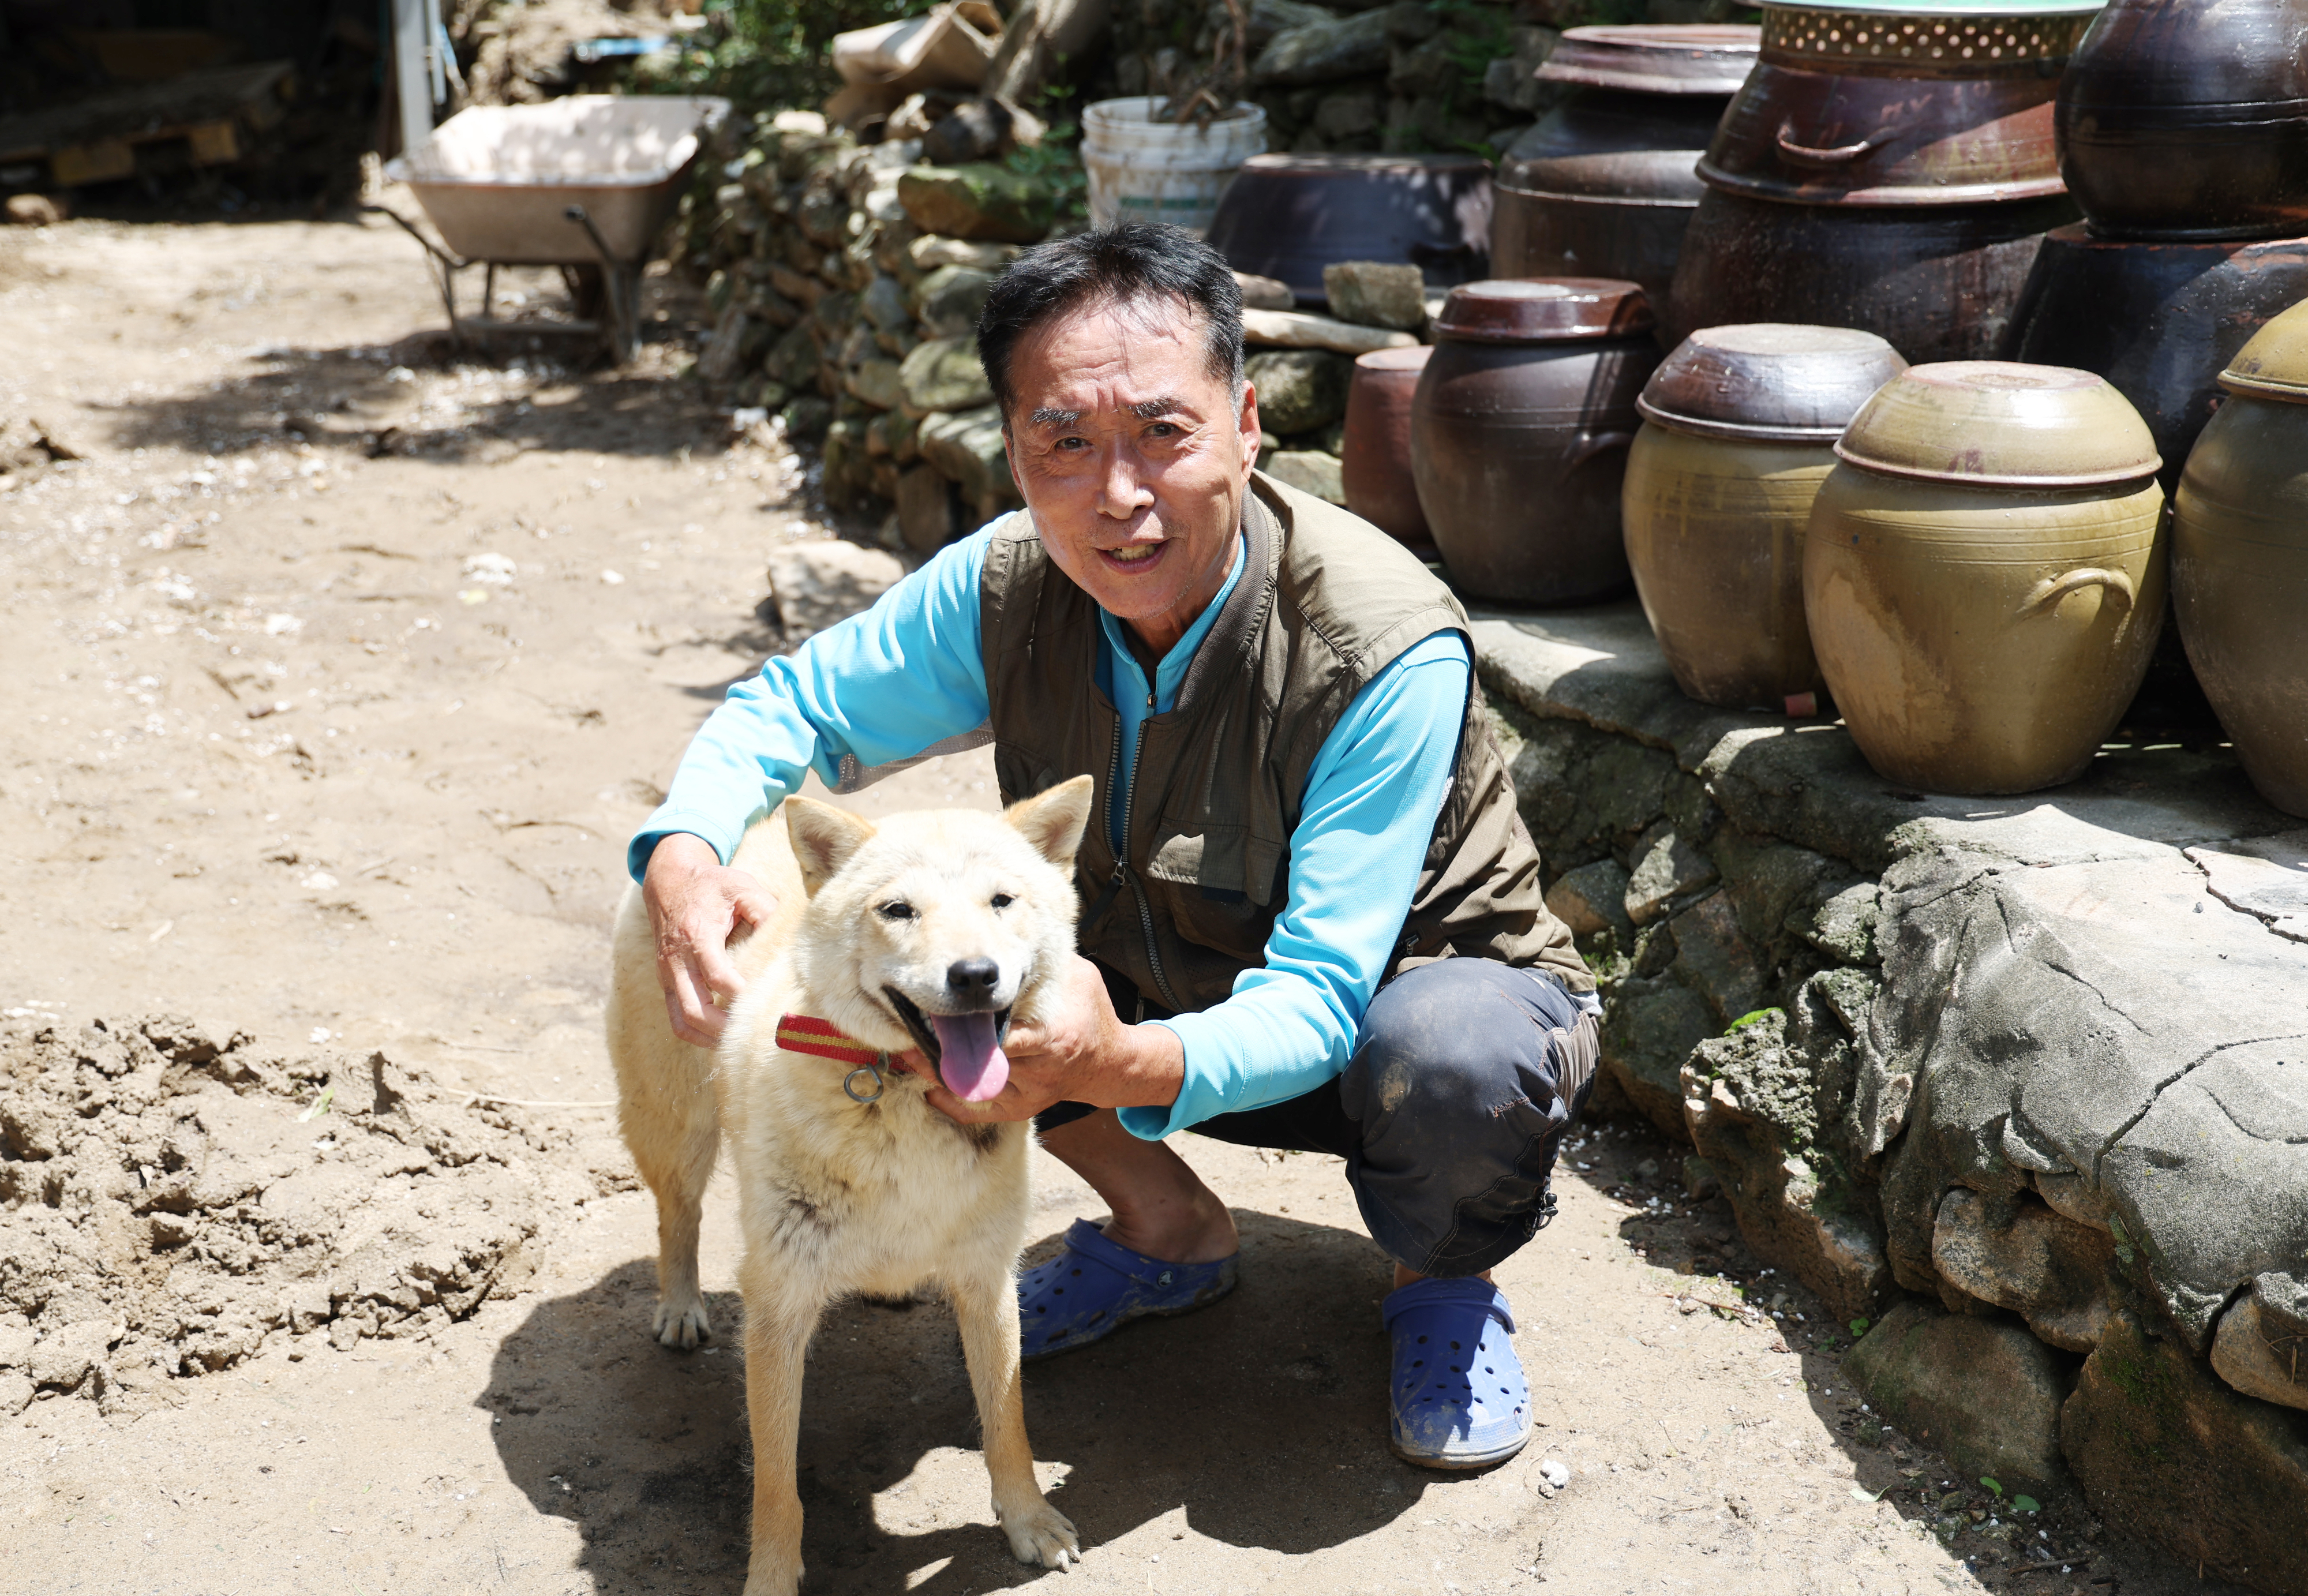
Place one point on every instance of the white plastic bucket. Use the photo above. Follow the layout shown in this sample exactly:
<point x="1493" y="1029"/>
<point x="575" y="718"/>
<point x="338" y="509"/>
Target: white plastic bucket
<point x="1144" y="170"/>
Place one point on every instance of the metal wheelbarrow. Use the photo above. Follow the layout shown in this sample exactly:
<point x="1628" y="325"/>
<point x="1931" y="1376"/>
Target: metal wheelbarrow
<point x="584" y="181"/>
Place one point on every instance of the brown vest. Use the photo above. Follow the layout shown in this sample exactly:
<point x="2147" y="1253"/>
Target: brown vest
<point x="1325" y="602"/>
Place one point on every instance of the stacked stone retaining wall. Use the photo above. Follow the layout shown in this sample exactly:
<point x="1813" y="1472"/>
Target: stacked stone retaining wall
<point x="2022" y="1083"/>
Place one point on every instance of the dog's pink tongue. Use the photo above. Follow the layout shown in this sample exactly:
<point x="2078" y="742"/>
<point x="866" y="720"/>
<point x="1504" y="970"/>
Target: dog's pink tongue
<point x="972" y="1063"/>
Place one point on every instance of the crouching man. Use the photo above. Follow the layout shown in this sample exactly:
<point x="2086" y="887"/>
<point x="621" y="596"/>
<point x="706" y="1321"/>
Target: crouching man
<point x="1311" y="915"/>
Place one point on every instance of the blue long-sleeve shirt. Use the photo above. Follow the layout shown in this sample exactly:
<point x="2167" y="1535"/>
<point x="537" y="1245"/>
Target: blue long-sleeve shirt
<point x="908" y="675"/>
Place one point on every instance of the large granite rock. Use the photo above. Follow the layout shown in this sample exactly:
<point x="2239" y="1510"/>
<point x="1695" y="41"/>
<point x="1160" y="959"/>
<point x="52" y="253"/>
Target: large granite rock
<point x="1983" y="1391"/>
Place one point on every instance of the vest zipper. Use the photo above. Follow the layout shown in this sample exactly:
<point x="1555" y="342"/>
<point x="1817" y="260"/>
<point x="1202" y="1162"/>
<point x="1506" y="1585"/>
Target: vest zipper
<point x="1122" y="873"/>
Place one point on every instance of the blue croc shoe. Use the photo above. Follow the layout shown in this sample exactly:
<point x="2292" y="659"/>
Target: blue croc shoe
<point x="1458" y="1399"/>
<point x="1095" y="1286"/>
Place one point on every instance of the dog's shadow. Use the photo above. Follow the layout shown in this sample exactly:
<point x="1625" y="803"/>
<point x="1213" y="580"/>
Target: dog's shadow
<point x="1259" y="1422"/>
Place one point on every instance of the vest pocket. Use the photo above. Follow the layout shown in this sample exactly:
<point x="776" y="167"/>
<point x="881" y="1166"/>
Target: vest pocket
<point x="1205" y="880"/>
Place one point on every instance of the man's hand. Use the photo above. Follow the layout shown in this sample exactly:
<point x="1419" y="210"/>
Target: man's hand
<point x="695" y="906"/>
<point x="1079" y="1052"/>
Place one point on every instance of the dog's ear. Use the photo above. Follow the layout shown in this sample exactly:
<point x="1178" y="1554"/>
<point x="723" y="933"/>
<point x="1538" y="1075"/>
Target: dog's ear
<point x="1053" y="821"/>
<point x="823" y="838"/>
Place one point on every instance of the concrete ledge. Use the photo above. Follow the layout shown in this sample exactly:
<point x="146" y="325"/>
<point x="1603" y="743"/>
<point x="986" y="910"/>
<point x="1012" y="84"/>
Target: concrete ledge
<point x="2040" y="1060"/>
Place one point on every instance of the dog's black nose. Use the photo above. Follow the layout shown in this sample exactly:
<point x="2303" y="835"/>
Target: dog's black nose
<point x="972" y="978"/>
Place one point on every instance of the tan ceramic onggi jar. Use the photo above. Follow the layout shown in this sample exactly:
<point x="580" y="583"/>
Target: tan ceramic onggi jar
<point x="2240" y="559"/>
<point x="1983" y="574"/>
<point x="1739" y="430"/>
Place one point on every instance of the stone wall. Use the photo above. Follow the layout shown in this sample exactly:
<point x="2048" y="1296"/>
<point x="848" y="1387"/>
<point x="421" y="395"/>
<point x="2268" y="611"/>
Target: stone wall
<point x="846" y="280"/>
<point x="2023" y="1081"/>
<point x="1359" y="76"/>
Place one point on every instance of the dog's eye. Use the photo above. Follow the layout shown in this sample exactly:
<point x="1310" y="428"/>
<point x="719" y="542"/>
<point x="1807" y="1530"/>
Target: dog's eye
<point x="900" y="911"/>
<point x="1002" y="900"/>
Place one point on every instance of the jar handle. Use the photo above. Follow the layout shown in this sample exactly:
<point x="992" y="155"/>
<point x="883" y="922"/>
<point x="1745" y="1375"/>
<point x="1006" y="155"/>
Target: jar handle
<point x="1601" y="444"/>
<point x="2049" y="591"/>
<point x="1804" y="155"/>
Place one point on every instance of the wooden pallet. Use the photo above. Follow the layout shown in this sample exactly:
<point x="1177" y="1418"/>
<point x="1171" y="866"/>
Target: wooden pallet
<point x="212" y="113"/>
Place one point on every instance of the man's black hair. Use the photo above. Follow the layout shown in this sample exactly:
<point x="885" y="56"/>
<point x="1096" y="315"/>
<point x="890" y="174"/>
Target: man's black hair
<point x="1123" y="262"/>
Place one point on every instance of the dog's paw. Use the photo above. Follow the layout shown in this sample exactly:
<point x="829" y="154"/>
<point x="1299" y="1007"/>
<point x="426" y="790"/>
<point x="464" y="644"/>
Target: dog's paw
<point x="682" y="1326"/>
<point x="1042" y="1534"/>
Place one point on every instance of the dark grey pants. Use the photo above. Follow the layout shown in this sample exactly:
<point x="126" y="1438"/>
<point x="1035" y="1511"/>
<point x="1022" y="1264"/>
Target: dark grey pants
<point x="1464" y="1079"/>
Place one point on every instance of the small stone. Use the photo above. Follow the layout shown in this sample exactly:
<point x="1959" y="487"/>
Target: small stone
<point x="926" y="520"/>
<point x="1591" y="900"/>
<point x="15" y="1390"/>
<point x="725" y="350"/>
<point x="817" y="584"/>
<point x="1263" y="293"/>
<point x="884" y="303"/>
<point x="2257" y="1348"/>
<point x="1554" y="1473"/>
<point x="1298" y="330"/>
<point x="1665" y="868"/>
<point x="807" y="418"/>
<point x="1648" y="1029"/>
<point x="1299" y="390"/>
<point x="792" y="360"/>
<point x="950" y="300"/>
<point x="978" y="200"/>
<point x="803" y="290"/>
<point x="1325" y="52"/>
<point x="967" y="448"/>
<point x="929" y="253"/>
<point x="1308" y="471"/>
<point x="1984" y="1392"/>
<point x="34" y="210"/>
<point x="2019" y="1254"/>
<point x="975" y="130"/>
<point x="1374" y="294"/>
<point x="1699" y="1180"/>
<point x="877" y="383"/>
<point x="945" y="374"/>
<point x="1347" y="115"/>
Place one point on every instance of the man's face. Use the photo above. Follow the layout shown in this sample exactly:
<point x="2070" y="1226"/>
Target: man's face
<point x="1132" y="458"/>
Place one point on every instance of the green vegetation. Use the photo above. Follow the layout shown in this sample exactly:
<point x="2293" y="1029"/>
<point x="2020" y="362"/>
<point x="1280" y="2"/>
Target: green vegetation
<point x="770" y="54"/>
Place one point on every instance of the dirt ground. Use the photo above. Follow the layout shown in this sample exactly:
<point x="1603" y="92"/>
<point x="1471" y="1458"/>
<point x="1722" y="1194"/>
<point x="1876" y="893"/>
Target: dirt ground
<point x="286" y="754"/>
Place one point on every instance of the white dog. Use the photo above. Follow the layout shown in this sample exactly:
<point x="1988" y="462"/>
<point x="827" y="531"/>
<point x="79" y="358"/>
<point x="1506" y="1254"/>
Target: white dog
<point x="933" y="931"/>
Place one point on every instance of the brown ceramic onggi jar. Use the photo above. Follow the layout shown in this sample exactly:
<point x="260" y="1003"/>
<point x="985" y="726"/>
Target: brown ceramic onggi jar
<point x="1375" y="462"/>
<point x="2180" y="119"/>
<point x="1606" y="182"/>
<point x="1739" y="430"/>
<point x="1520" y="433"/>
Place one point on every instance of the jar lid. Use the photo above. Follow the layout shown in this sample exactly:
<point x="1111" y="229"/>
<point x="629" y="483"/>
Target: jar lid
<point x="2275" y="364"/>
<point x="1409" y="358"/>
<point x="1768" y="381"/>
<point x="1946" y="8"/>
<point x="1543" y="310"/>
<point x="2000" y="424"/>
<point x="1656" y="58"/>
<point x="1357" y="166"/>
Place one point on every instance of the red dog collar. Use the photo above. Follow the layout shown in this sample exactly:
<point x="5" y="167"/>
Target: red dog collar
<point x="805" y="1033"/>
<point x="802" y="1033"/>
